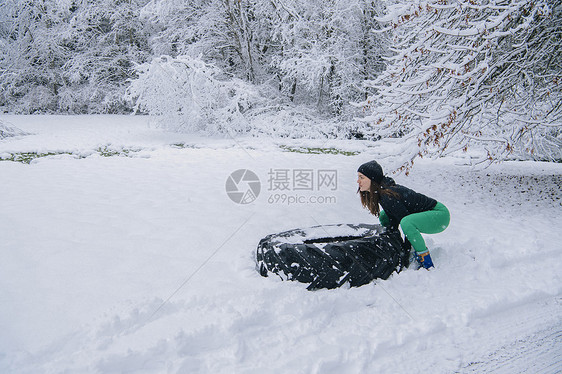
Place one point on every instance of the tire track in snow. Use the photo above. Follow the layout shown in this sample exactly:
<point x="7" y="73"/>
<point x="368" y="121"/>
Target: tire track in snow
<point x="540" y="353"/>
<point x="539" y="350"/>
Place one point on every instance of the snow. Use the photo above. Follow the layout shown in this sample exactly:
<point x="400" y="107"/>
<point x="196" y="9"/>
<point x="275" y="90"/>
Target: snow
<point x="140" y="262"/>
<point x="320" y="232"/>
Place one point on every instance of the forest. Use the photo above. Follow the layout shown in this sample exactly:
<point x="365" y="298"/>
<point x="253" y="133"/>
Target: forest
<point x="443" y="75"/>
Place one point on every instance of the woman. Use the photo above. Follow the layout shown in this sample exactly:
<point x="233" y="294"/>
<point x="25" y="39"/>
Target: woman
<point x="414" y="212"/>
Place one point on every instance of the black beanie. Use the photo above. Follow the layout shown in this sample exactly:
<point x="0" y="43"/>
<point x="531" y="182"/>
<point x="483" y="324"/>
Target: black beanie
<point x="372" y="170"/>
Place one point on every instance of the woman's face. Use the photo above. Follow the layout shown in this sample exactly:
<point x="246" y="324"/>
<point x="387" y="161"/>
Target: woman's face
<point x="364" y="182"/>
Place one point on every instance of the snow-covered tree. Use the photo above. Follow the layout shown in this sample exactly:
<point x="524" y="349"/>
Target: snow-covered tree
<point x="232" y="34"/>
<point x="106" y="38"/>
<point x="315" y="52"/>
<point x="327" y="50"/>
<point x="179" y="27"/>
<point x="468" y="72"/>
<point x="69" y="55"/>
<point x="187" y="94"/>
<point x="31" y="57"/>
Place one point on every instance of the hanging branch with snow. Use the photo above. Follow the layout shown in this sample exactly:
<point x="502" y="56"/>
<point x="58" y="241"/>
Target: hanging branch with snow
<point x="471" y="72"/>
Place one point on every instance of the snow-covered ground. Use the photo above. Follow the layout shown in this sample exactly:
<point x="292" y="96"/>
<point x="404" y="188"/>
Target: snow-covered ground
<point x="122" y="252"/>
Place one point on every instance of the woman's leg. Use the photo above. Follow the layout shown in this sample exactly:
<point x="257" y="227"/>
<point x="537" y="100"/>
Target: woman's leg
<point x="429" y="222"/>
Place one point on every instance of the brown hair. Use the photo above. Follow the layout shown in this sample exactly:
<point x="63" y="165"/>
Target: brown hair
<point x="370" y="199"/>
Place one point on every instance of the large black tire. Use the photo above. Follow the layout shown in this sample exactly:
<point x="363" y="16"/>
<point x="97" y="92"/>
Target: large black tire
<point x="329" y="260"/>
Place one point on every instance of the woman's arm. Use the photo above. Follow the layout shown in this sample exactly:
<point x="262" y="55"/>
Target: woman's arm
<point x="383" y="219"/>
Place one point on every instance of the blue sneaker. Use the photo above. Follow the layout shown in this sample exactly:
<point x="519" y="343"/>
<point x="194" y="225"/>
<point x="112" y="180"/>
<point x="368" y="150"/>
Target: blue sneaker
<point x="424" y="259"/>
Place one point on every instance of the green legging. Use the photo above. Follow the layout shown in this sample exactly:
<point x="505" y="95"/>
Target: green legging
<point x="428" y="222"/>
